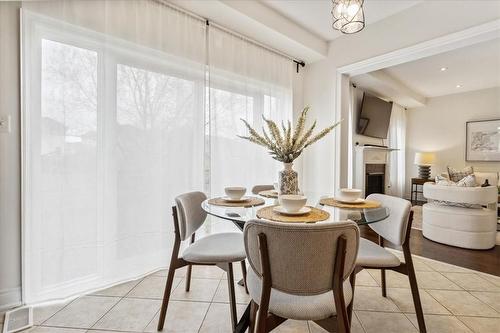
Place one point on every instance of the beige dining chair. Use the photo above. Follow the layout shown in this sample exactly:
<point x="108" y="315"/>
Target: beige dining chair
<point x="300" y="271"/>
<point x="259" y="188"/>
<point x="221" y="249"/>
<point x="396" y="229"/>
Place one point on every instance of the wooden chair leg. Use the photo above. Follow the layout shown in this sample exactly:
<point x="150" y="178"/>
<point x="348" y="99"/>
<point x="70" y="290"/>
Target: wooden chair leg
<point x="232" y="297"/>
<point x="244" y="272"/>
<point x="188" y="277"/>
<point x="414" y="291"/>
<point x="382" y="279"/>
<point x="166" y="297"/>
<point x="253" y="316"/>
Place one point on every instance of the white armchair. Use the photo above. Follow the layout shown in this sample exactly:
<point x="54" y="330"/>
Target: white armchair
<point x="460" y="216"/>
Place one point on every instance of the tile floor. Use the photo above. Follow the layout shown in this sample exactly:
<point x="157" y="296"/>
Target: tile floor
<point x="454" y="300"/>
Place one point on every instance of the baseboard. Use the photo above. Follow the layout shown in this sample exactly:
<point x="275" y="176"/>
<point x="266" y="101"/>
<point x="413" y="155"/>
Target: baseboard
<point x="10" y="298"/>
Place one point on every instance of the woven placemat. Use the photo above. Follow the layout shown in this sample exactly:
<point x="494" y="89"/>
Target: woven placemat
<point x="367" y="204"/>
<point x="252" y="201"/>
<point x="315" y="215"/>
<point x="269" y="194"/>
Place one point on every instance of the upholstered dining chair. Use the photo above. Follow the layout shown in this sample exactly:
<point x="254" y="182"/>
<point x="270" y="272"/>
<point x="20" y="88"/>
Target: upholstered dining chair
<point x="259" y="188"/>
<point x="395" y="229"/>
<point x="300" y="271"/>
<point x="221" y="249"/>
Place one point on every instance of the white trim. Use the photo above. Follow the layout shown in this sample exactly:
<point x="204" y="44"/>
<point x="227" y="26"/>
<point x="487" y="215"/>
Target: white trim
<point x="453" y="41"/>
<point x="467" y="37"/>
<point x="10" y="298"/>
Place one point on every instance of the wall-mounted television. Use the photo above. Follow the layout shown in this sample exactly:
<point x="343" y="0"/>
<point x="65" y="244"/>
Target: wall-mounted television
<point x="374" y="117"/>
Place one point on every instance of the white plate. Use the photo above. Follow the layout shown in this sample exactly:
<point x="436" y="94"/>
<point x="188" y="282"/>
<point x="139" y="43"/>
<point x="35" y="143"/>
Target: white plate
<point x="302" y="211"/>
<point x="242" y="199"/>
<point x="357" y="201"/>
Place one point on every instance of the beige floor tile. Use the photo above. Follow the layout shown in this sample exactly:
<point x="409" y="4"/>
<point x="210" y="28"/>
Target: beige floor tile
<point x="462" y="303"/>
<point x="151" y="287"/>
<point x="293" y="326"/>
<point x="44" y="329"/>
<point x="443" y="267"/>
<point x="377" y="322"/>
<point x="441" y="324"/>
<point x="471" y="281"/>
<point x="44" y="312"/>
<point x="481" y="324"/>
<point x="435" y="280"/>
<point x="393" y="279"/>
<point x="370" y="299"/>
<point x="222" y="294"/>
<point x="185" y="317"/>
<point x="218" y="318"/>
<point x="403" y="299"/>
<point x="82" y="312"/>
<point x="130" y="314"/>
<point x="364" y="278"/>
<point x="208" y="272"/>
<point x="119" y="290"/>
<point x="493" y="279"/>
<point x="490" y="298"/>
<point x="179" y="273"/>
<point x="201" y="290"/>
<point x="355" y="328"/>
<point x="237" y="272"/>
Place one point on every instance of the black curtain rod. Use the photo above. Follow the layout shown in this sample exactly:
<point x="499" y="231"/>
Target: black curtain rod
<point x="299" y="63"/>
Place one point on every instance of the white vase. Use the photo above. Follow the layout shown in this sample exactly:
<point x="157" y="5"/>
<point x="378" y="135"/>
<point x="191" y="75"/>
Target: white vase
<point x="288" y="180"/>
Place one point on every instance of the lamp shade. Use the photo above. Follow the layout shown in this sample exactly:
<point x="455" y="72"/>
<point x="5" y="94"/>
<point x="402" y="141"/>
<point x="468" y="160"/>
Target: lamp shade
<point x="424" y="158"/>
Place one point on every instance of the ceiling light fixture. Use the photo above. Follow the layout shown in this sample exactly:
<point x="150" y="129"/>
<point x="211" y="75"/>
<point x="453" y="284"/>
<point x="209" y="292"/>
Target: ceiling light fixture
<point x="459" y="86"/>
<point x="348" y="16"/>
<point x="443" y="69"/>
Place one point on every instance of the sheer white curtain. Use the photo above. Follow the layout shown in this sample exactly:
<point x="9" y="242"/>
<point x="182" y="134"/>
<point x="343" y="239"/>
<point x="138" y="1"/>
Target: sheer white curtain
<point x="114" y="129"/>
<point x="246" y="82"/>
<point x="396" y="159"/>
<point x="116" y="123"/>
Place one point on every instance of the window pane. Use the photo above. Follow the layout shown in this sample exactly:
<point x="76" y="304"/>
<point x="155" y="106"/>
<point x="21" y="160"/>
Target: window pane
<point x="68" y="161"/>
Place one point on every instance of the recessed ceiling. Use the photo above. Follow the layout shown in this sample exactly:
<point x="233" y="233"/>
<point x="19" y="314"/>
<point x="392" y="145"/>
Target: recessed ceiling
<point x="315" y="16"/>
<point x="470" y="68"/>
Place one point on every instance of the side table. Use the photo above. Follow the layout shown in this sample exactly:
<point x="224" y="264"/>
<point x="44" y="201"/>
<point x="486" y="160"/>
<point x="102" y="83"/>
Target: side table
<point x="416" y="190"/>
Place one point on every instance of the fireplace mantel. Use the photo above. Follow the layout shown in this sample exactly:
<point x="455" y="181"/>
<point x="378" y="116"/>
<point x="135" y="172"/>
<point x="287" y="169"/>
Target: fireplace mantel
<point x="370" y="169"/>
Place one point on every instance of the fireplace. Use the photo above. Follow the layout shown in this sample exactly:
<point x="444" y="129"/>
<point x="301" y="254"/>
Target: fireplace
<point x="374" y="178"/>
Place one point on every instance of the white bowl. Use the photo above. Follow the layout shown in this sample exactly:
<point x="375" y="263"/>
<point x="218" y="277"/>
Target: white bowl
<point x="349" y="194"/>
<point x="235" y="192"/>
<point x="292" y="203"/>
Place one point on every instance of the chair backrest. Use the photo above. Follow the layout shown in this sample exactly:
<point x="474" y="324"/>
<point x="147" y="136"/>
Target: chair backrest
<point x="302" y="256"/>
<point x="393" y="228"/>
<point x="189" y="212"/>
<point x="259" y="188"/>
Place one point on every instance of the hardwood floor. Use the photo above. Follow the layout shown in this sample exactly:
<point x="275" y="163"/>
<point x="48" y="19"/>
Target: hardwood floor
<point x="486" y="261"/>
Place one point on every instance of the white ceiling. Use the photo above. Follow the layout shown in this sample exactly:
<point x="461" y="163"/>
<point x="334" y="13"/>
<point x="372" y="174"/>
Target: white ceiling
<point x="315" y="15"/>
<point x="473" y="67"/>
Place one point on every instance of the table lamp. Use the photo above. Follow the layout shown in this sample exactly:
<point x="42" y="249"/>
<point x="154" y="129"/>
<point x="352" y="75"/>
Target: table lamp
<point x="424" y="162"/>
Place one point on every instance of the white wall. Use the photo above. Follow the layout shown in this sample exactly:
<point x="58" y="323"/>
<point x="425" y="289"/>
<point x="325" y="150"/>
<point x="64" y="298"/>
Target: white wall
<point x="420" y="23"/>
<point x="10" y="167"/>
<point x="440" y="127"/>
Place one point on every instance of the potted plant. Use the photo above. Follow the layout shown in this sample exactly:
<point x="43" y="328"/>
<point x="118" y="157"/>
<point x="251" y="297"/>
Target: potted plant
<point x="286" y="145"/>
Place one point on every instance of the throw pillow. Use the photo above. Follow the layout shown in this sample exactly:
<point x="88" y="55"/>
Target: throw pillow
<point x="440" y="180"/>
<point x="469" y="181"/>
<point x="456" y="175"/>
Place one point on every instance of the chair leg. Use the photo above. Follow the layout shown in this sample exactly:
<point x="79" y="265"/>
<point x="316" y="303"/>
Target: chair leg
<point x="232" y="297"/>
<point x="253" y="316"/>
<point x="414" y="291"/>
<point x="166" y="297"/>
<point x="382" y="279"/>
<point x="244" y="272"/>
<point x="188" y="277"/>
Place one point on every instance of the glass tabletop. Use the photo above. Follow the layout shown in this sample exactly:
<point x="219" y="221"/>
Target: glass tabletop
<point x="241" y="215"/>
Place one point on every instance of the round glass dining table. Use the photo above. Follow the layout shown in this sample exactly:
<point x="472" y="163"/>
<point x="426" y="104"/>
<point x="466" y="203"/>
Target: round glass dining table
<point x="240" y="215"/>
